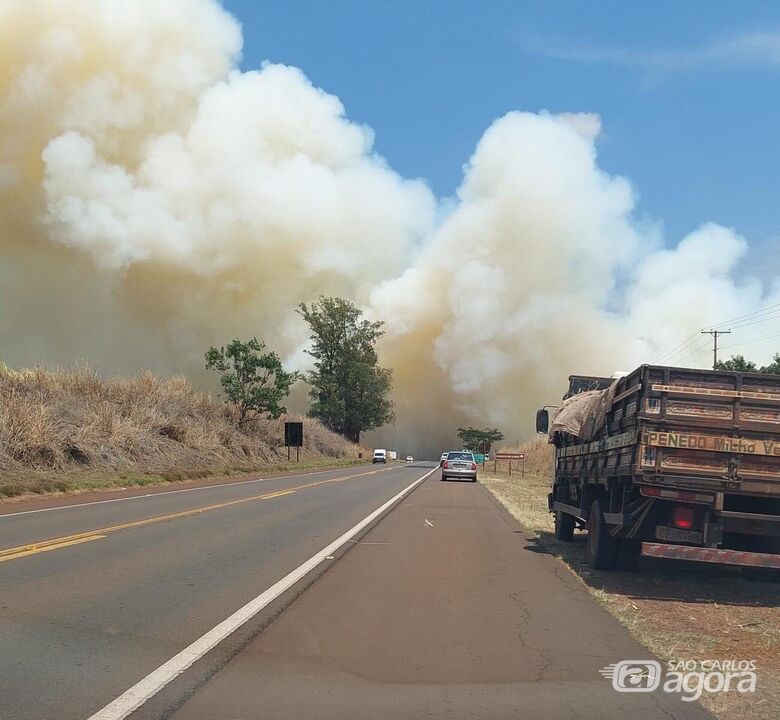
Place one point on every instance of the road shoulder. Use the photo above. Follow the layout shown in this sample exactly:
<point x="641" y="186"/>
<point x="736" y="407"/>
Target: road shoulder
<point x="444" y="609"/>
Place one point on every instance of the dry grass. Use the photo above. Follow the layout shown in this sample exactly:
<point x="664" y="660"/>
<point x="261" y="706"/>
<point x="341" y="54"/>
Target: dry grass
<point x="538" y="457"/>
<point x="676" y="610"/>
<point x="61" y="430"/>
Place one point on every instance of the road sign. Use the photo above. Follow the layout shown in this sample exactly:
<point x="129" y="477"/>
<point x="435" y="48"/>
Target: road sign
<point x="510" y="456"/>
<point x="293" y="437"/>
<point x="293" y="434"/>
<point x="479" y="457"/>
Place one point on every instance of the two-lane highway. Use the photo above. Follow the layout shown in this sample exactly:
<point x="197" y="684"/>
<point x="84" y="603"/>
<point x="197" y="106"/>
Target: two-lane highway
<point x="95" y="596"/>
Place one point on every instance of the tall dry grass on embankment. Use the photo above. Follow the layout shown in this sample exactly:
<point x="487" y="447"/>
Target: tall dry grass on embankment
<point x="64" y="430"/>
<point x="538" y="455"/>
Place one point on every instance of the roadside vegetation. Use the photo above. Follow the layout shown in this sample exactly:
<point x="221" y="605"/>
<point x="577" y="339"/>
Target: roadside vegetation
<point x="677" y="610"/>
<point x="479" y="441"/>
<point x="349" y="390"/>
<point x="68" y="430"/>
<point x="740" y="364"/>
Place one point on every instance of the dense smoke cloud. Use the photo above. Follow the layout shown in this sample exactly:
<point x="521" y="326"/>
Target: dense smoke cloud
<point x="155" y="200"/>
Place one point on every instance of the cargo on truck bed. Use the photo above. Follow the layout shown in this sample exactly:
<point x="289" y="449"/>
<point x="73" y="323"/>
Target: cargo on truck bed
<point x="685" y="461"/>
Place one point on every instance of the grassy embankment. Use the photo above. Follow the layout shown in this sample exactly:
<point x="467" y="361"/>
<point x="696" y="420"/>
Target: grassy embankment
<point x="676" y="610"/>
<point x="64" y="431"/>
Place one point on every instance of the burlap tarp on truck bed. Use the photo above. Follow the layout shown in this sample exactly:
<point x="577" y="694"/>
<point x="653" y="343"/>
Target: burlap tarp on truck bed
<point x="584" y="414"/>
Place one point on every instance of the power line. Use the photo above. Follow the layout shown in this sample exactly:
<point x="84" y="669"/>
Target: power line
<point x="678" y="348"/>
<point x="756" y="322"/>
<point x="715" y="334"/>
<point x="770" y="312"/>
<point x="759" y="312"/>
<point x="695" y="351"/>
<point x="753" y="340"/>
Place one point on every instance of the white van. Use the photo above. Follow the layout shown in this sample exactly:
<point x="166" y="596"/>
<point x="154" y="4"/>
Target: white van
<point x="380" y="456"/>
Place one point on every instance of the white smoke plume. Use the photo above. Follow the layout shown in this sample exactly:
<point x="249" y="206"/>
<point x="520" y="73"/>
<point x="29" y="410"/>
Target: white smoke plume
<point x="155" y="200"/>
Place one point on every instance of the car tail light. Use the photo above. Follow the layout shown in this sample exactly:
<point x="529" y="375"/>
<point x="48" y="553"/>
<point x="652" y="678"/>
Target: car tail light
<point x="682" y="517"/>
<point x="473" y="466"/>
<point x="445" y="465"/>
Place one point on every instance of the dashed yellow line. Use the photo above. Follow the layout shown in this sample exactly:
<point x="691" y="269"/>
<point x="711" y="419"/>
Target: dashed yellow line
<point x="68" y="540"/>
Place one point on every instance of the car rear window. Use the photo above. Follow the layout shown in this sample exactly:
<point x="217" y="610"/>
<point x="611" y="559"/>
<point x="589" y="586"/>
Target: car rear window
<point x="460" y="456"/>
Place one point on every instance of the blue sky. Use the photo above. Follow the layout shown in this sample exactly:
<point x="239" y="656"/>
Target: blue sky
<point x="687" y="91"/>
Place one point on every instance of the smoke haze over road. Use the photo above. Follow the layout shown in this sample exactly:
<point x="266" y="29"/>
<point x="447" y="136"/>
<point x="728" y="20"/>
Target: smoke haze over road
<point x="155" y="200"/>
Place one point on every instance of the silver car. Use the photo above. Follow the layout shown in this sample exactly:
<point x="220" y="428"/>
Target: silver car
<point x="460" y="464"/>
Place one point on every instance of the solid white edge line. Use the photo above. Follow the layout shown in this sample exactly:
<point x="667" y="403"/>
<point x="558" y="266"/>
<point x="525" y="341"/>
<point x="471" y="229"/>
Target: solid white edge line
<point x="146" y="496"/>
<point x="155" y="681"/>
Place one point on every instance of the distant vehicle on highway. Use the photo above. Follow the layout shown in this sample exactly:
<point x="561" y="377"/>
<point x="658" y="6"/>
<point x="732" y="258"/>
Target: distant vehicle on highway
<point x="442" y="459"/>
<point x="459" y="463"/>
<point x="392" y="455"/>
<point x="409" y="458"/>
<point x="380" y="456"/>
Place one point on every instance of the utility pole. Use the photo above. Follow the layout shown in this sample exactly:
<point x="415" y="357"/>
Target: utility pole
<point x="715" y="334"/>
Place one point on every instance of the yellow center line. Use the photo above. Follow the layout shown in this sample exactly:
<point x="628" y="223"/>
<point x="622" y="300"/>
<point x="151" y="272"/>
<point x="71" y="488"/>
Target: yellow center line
<point x="55" y="546"/>
<point x="68" y="540"/>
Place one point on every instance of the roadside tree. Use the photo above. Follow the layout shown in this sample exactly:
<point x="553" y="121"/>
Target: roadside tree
<point x="479" y="441"/>
<point x="349" y="391"/>
<point x="253" y="380"/>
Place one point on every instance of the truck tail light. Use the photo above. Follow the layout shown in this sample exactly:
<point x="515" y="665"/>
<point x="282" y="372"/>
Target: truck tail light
<point x="473" y="466"/>
<point x="682" y="517"/>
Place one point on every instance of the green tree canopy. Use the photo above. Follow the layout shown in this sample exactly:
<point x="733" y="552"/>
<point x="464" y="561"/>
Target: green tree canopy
<point x="773" y="367"/>
<point x="738" y="363"/>
<point x="253" y="380"/>
<point x="479" y="440"/>
<point x="349" y="390"/>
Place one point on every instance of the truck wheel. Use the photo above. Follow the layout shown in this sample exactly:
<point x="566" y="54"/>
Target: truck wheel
<point x="602" y="547"/>
<point x="629" y="551"/>
<point x="564" y="526"/>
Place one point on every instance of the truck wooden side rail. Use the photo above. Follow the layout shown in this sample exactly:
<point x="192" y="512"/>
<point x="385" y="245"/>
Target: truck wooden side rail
<point x="685" y="461"/>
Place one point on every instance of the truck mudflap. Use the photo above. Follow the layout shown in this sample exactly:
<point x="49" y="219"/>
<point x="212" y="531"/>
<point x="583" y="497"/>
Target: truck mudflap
<point x="720" y="556"/>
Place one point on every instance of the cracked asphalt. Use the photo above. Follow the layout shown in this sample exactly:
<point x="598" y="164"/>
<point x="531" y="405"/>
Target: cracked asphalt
<point x="445" y="609"/>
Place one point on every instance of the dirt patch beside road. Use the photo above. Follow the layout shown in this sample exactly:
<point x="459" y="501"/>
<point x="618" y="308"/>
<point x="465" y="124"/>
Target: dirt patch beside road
<point x="679" y="611"/>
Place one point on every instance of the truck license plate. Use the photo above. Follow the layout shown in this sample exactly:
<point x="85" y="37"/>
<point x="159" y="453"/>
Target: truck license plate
<point x="676" y="535"/>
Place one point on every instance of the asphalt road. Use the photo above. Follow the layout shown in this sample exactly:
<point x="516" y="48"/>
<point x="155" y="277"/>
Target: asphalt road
<point x="94" y="597"/>
<point x="444" y="610"/>
<point x="440" y="608"/>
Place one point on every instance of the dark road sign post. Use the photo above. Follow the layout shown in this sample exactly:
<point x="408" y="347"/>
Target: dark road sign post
<point x="293" y="437"/>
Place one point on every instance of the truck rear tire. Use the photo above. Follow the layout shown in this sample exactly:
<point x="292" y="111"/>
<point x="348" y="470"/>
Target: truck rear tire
<point x="602" y="547"/>
<point x="564" y="526"/>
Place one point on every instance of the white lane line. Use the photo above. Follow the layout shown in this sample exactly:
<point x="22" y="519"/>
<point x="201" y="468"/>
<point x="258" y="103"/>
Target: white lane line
<point x="155" y="681"/>
<point x="173" y="492"/>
